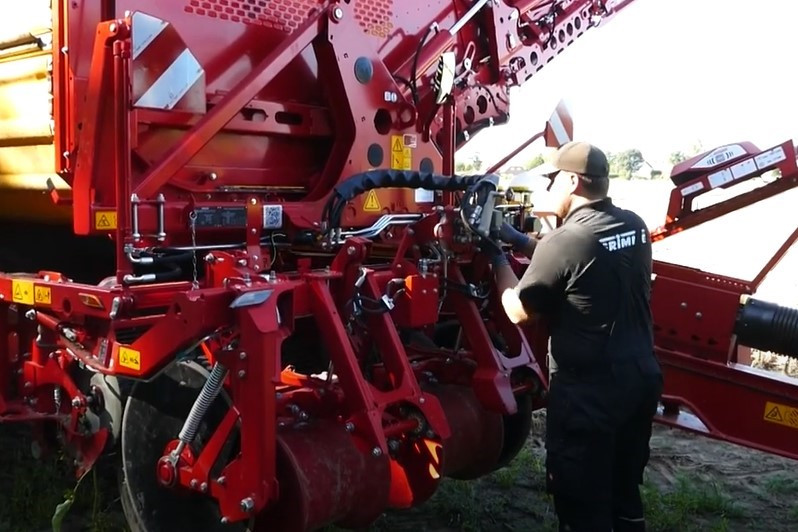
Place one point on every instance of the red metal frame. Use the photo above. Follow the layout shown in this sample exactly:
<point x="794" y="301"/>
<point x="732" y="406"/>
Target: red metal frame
<point x="695" y="313"/>
<point x="396" y="414"/>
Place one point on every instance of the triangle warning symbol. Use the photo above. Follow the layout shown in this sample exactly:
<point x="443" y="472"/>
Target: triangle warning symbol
<point x="103" y="222"/>
<point x="18" y="291"/>
<point x="372" y="203"/>
<point x="398" y="144"/>
<point x="774" y="414"/>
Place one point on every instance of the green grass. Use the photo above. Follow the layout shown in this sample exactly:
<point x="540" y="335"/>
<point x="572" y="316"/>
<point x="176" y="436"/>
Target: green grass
<point x="32" y="490"/>
<point x="692" y="504"/>
<point x="781" y="485"/>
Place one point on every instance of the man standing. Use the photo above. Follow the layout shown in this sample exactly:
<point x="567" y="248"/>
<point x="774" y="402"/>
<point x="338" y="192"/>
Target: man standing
<point x="591" y="279"/>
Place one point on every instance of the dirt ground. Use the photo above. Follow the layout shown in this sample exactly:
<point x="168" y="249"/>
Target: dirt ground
<point x="692" y="484"/>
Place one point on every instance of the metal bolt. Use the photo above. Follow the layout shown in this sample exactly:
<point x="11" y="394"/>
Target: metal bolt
<point x="213" y="176"/>
<point x="28" y="384"/>
<point x="351" y="250"/>
<point x="421" y="400"/>
<point x="253" y="231"/>
<point x="242" y="262"/>
<point x="350" y="427"/>
<point x="247" y="505"/>
<point x="225" y="520"/>
<point x="204" y="487"/>
<point x="394" y="445"/>
<point x="376" y="452"/>
<point x="242" y="374"/>
<point x="193" y="483"/>
<point x="683" y="305"/>
<point x="242" y="355"/>
<point x="338" y="13"/>
<point x="112" y="27"/>
<point x="253" y="201"/>
<point x="698" y="315"/>
<point x="221" y="481"/>
<point x="76" y="402"/>
<point x="31" y="314"/>
<point x="303" y="416"/>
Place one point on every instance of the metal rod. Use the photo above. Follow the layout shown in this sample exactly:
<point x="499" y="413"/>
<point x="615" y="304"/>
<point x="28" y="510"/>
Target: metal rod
<point x="20" y="40"/>
<point x="515" y="152"/>
<point x="775" y="259"/>
<point x="134" y="215"/>
<point x="161" y="225"/>
<point x="468" y="16"/>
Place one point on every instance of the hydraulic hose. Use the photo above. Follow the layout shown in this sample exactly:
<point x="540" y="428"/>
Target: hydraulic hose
<point x="768" y="327"/>
<point x="363" y="182"/>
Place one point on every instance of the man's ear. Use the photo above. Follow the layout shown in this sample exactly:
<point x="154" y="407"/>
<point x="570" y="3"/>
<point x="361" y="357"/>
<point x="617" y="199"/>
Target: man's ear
<point x="575" y="183"/>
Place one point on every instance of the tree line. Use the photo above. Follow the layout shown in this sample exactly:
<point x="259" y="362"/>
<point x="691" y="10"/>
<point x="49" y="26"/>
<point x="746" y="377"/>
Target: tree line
<point x="625" y="164"/>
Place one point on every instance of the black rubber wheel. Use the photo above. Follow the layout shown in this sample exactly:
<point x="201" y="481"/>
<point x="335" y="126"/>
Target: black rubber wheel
<point x="153" y="416"/>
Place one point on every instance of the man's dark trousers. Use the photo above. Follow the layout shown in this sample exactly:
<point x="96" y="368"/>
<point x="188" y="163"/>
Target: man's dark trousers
<point x="598" y="429"/>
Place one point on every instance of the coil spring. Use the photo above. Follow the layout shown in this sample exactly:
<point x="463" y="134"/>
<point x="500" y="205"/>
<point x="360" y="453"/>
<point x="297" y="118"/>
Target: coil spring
<point x="207" y="395"/>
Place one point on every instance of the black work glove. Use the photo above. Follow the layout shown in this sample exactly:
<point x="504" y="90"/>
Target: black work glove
<point x="514" y="237"/>
<point x="494" y="252"/>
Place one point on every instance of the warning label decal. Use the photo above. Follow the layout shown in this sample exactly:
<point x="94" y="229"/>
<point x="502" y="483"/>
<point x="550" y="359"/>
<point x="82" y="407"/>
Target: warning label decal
<point x="129" y="358"/>
<point x="105" y="220"/>
<point x="22" y="292"/>
<point x="42" y="295"/>
<point x="402" y="151"/>
<point x="372" y="203"/>
<point x="781" y="414"/>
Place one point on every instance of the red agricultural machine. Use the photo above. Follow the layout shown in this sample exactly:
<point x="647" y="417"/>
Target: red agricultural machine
<point x="236" y="253"/>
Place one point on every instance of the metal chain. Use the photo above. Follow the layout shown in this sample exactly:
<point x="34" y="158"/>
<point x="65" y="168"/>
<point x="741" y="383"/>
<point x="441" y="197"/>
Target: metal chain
<point x="193" y="217"/>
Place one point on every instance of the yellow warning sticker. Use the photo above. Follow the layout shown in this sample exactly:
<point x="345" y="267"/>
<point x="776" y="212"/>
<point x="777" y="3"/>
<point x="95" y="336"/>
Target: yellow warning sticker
<point x="22" y="292"/>
<point x="105" y="220"/>
<point x="402" y="152"/>
<point x="781" y="414"/>
<point x="372" y="203"/>
<point x="397" y="161"/>
<point x="42" y="295"/>
<point x="129" y="358"/>
<point x="407" y="159"/>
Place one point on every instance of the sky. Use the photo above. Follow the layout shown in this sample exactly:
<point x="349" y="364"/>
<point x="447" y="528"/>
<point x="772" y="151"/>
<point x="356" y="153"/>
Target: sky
<point x="663" y="75"/>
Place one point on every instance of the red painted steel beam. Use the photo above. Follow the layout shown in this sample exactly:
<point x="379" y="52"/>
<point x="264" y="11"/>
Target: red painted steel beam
<point x="734" y="402"/>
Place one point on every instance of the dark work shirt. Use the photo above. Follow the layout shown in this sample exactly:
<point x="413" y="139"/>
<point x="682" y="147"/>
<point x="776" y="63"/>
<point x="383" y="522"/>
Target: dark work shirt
<point x="591" y="277"/>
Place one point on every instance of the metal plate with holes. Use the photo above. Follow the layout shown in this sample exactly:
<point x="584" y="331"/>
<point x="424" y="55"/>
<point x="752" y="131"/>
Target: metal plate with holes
<point x="272" y="216"/>
<point x="221" y="217"/>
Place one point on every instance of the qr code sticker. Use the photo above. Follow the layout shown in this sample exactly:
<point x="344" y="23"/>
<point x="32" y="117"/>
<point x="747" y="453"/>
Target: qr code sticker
<point x="272" y="216"/>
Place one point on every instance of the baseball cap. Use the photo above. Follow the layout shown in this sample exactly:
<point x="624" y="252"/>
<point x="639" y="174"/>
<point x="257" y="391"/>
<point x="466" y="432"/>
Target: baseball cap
<point x="578" y="157"/>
